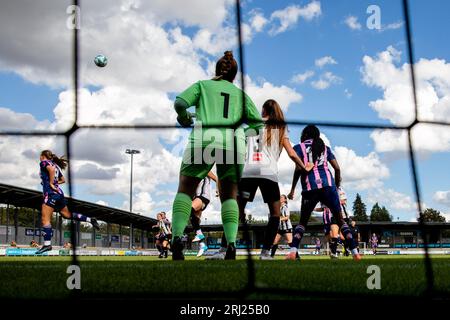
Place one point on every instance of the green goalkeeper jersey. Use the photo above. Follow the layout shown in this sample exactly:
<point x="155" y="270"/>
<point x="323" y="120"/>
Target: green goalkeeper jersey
<point x="219" y="106"/>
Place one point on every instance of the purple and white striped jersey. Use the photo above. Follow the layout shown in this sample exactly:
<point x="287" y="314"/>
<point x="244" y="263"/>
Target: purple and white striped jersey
<point x="320" y="176"/>
<point x="45" y="177"/>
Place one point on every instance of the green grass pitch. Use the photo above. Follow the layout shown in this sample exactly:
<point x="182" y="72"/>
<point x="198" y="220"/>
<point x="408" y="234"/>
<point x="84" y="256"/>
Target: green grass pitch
<point x="45" y="277"/>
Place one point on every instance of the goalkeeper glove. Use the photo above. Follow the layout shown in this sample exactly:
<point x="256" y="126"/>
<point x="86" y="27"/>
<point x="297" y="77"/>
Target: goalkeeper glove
<point x="186" y="121"/>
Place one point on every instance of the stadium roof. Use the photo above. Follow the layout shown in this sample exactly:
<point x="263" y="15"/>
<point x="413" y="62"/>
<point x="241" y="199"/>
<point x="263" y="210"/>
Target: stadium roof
<point x="21" y="197"/>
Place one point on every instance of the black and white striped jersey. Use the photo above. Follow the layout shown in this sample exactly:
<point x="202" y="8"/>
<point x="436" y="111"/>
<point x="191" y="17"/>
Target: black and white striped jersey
<point x="285" y="225"/>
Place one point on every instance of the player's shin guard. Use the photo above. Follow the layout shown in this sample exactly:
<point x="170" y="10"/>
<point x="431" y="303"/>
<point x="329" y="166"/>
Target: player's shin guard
<point x="298" y="235"/>
<point x="47" y="233"/>
<point x="274" y="249"/>
<point x="195" y="221"/>
<point x="350" y="242"/>
<point x="79" y="217"/>
<point x="180" y="214"/>
<point x="271" y="232"/>
<point x="230" y="219"/>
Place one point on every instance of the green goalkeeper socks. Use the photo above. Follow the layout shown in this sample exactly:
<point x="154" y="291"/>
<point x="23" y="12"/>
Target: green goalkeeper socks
<point x="230" y="219"/>
<point x="181" y="211"/>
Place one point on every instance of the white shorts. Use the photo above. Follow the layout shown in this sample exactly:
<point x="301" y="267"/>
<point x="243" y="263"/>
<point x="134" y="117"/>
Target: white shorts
<point x="204" y="192"/>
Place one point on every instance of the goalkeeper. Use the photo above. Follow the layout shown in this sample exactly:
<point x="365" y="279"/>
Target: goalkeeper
<point x="217" y="138"/>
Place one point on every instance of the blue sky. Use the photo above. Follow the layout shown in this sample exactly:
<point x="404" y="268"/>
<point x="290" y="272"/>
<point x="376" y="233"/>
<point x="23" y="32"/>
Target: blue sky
<point x="362" y="78"/>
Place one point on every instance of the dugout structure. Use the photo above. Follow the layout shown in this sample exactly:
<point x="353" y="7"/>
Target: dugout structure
<point x="15" y="197"/>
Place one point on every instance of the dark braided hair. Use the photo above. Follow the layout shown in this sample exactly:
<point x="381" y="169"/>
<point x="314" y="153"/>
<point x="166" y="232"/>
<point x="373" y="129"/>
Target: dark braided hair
<point x="318" y="146"/>
<point x="60" y="161"/>
<point x="226" y="67"/>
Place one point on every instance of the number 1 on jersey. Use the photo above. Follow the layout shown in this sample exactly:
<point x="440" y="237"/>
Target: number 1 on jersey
<point x="226" y="103"/>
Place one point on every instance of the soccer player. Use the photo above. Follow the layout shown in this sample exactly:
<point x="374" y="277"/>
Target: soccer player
<point x="374" y="243"/>
<point x="51" y="167"/>
<point x="331" y="228"/>
<point x="285" y="228"/>
<point x="158" y="236"/>
<point x="261" y="168"/>
<point x="220" y="108"/>
<point x="318" y="246"/>
<point x="318" y="185"/>
<point x="199" y="204"/>
<point x="164" y="234"/>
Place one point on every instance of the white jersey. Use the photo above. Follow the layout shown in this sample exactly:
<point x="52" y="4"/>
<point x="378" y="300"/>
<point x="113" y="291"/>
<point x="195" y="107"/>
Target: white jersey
<point x="285" y="225"/>
<point x="204" y="189"/>
<point x="261" y="160"/>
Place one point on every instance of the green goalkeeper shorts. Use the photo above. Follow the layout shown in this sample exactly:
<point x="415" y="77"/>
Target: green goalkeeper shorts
<point x="197" y="162"/>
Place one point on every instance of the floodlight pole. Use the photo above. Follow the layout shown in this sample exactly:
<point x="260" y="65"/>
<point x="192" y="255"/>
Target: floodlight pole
<point x="131" y="152"/>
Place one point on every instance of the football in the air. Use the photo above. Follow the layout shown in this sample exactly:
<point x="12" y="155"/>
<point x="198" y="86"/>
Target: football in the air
<point x="101" y="61"/>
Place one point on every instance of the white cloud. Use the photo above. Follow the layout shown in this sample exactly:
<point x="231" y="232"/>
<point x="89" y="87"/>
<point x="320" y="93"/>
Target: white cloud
<point x="289" y="16"/>
<point x="442" y="197"/>
<point x="393" y="26"/>
<point x="321" y="62"/>
<point x="102" y="203"/>
<point x="208" y="14"/>
<point x="215" y="42"/>
<point x="425" y="139"/>
<point x="105" y="28"/>
<point x="257" y="20"/>
<point x="396" y="105"/>
<point x="260" y="92"/>
<point x="10" y="120"/>
<point x="142" y="203"/>
<point x="302" y="77"/>
<point x="360" y="172"/>
<point x="325" y="81"/>
<point x="352" y="23"/>
<point x="392" y="200"/>
<point x="347" y="93"/>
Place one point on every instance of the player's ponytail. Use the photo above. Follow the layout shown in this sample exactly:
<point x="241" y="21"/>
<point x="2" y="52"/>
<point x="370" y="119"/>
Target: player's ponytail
<point x="226" y="67"/>
<point x="59" y="161"/>
<point x="275" y="120"/>
<point x="311" y="132"/>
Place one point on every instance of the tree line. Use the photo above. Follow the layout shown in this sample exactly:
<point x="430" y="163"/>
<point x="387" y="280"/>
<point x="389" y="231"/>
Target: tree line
<point x="380" y="213"/>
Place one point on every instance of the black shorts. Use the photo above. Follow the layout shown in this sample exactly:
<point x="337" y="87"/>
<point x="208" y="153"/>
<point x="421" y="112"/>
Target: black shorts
<point x="328" y="196"/>
<point x="204" y="200"/>
<point x="56" y="201"/>
<point x="164" y="237"/>
<point x="269" y="189"/>
<point x="282" y="232"/>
